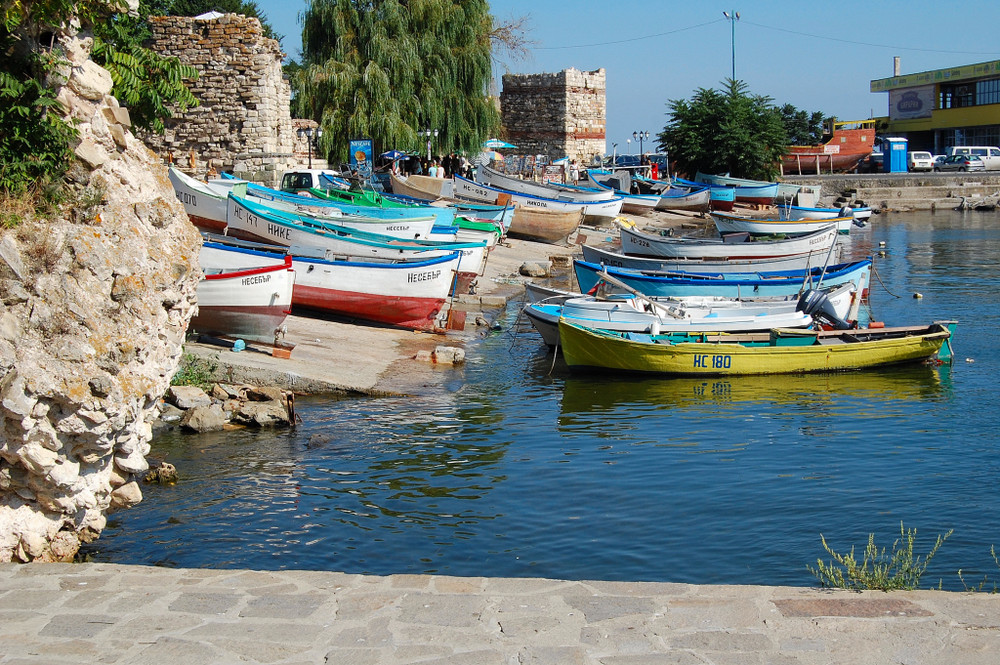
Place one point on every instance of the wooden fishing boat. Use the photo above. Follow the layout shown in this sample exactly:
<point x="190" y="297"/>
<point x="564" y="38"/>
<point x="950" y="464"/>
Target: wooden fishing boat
<point x="780" y="351"/>
<point x="552" y="227"/>
<point x="409" y="294"/>
<point x="666" y="198"/>
<point x="204" y="204"/>
<point x="440" y="192"/>
<point x="260" y="223"/>
<point x="593" y="211"/>
<point x="242" y="299"/>
<point x="757" y="194"/>
<point x="861" y="214"/>
<point x="850" y="142"/>
<point x="786" y="191"/>
<point x="728" y="285"/>
<point x="769" y="226"/>
<point x="619" y="260"/>
<point x="487" y="176"/>
<point x="737" y="246"/>
<point x="443" y="216"/>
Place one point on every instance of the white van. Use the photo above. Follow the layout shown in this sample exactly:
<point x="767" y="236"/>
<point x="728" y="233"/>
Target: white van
<point x="988" y="153"/>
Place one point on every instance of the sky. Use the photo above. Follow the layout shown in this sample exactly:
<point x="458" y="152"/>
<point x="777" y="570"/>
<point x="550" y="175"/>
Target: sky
<point x="817" y="56"/>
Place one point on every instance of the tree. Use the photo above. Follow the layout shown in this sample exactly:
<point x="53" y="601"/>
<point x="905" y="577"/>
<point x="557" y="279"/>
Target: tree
<point x="389" y="69"/>
<point x="803" y="128"/>
<point x="148" y="84"/>
<point x="725" y="131"/>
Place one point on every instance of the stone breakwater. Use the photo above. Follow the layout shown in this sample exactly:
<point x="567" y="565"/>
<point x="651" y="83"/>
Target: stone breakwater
<point x="94" y="306"/>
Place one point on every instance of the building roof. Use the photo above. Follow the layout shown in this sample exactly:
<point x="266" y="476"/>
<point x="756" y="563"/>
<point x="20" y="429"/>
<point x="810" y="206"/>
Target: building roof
<point x="949" y="75"/>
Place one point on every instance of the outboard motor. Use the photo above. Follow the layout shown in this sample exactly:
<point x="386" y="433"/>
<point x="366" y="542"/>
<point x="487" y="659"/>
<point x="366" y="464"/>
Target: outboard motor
<point x="817" y="304"/>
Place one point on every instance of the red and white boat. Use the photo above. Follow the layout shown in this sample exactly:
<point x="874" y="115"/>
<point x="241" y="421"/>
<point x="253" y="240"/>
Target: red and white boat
<point x="410" y="294"/>
<point x="850" y="143"/>
<point x="240" y="297"/>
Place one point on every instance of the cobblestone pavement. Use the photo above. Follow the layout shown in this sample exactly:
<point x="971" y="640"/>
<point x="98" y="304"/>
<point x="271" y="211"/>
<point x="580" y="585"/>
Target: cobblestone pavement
<point x="107" y="613"/>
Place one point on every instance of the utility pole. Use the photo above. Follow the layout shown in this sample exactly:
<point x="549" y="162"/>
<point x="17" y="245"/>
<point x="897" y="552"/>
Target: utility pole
<point x="733" y="17"/>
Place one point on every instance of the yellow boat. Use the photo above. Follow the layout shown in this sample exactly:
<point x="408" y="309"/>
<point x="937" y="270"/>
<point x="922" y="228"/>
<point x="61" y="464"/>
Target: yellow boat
<point x="781" y="351"/>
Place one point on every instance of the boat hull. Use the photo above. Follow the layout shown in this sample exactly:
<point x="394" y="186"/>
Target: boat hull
<point x="638" y="243"/>
<point x="711" y="355"/>
<point x="249" y="304"/>
<point x="732" y="285"/>
<point x="725" y="223"/>
<point x="617" y="260"/>
<point x="596" y="211"/>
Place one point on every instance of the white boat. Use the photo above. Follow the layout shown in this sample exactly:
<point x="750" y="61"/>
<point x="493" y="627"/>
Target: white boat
<point x="595" y="211"/>
<point x="205" y="204"/>
<point x="639" y="243"/>
<point x="241" y="298"/>
<point x="687" y="265"/>
<point x="695" y="199"/>
<point x="409" y="294"/>
<point x="861" y="214"/>
<point x="729" y="223"/>
<point x="259" y="223"/>
<point x="631" y="312"/>
<point x="487" y="176"/>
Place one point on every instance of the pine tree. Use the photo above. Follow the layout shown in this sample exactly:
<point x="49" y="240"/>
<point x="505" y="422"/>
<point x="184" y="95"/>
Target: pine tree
<point x="389" y="69"/>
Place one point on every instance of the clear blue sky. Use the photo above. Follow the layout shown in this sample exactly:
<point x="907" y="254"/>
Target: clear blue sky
<point x="817" y="56"/>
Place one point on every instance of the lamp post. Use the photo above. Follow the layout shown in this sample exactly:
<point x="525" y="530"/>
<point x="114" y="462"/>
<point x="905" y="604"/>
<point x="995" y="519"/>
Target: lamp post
<point x="309" y="133"/>
<point x="640" y="137"/>
<point x="628" y="143"/>
<point x="429" y="133"/>
<point x="614" y="154"/>
<point x="733" y="17"/>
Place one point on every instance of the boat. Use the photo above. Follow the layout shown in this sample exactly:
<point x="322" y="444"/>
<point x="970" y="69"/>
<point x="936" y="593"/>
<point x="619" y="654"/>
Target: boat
<point x="779" y="351"/>
<point x="256" y="222"/>
<point x="786" y="191"/>
<point x="666" y="198"/>
<point x="769" y="226"/>
<point x="757" y="194"/>
<point x="636" y="313"/>
<point x="204" y="203"/>
<point x="861" y="214"/>
<point x="487" y="176"/>
<point x="243" y="299"/>
<point x="727" y="285"/>
<point x="409" y="294"/>
<point x="619" y="260"/>
<point x="593" y="211"/>
<point x="733" y="247"/>
<point x="844" y="150"/>
<point x="440" y="192"/>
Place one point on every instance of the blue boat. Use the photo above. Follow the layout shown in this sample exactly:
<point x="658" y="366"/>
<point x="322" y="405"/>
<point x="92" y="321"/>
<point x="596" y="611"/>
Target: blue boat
<point x="728" y="285"/>
<point x="722" y="197"/>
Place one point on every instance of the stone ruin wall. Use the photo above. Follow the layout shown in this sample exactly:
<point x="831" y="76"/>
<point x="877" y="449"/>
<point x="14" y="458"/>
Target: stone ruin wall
<point x="558" y="115"/>
<point x="243" y="124"/>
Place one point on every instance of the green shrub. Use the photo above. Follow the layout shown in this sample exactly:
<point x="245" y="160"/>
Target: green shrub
<point x="878" y="569"/>
<point x="195" y="371"/>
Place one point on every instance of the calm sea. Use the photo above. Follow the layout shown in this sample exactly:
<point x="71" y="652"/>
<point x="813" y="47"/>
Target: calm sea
<point x="521" y="468"/>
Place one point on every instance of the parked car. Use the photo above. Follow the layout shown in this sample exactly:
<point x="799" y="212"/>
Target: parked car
<point x="872" y="163"/>
<point x="989" y="154"/>
<point x="938" y="158"/>
<point x="917" y="160"/>
<point x="960" y="163"/>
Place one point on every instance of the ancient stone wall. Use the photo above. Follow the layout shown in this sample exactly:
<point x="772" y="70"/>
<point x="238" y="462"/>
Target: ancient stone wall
<point x="243" y="124"/>
<point x="94" y="305"/>
<point x="558" y="115"/>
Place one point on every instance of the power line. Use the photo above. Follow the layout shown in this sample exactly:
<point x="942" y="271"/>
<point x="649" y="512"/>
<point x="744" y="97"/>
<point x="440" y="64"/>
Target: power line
<point x="857" y="43"/>
<point x="631" y="39"/>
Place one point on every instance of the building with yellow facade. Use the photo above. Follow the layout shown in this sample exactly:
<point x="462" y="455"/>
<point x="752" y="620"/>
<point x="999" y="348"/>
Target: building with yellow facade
<point x="941" y="108"/>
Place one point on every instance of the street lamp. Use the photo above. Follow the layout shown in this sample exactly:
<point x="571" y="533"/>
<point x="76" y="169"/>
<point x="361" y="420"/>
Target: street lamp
<point x="308" y="132"/>
<point x="429" y="133"/>
<point x="628" y="143"/>
<point x="614" y="154"/>
<point x="640" y="137"/>
<point x="733" y="17"/>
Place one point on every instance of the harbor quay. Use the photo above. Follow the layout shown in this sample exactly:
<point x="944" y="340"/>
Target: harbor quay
<point x="110" y="613"/>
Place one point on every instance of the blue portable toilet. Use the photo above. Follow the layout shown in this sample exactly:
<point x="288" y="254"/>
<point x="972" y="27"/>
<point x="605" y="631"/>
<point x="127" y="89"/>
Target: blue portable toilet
<point x="894" y="155"/>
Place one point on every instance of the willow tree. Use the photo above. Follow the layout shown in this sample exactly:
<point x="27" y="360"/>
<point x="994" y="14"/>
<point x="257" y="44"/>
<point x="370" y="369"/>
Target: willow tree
<point x="389" y="69"/>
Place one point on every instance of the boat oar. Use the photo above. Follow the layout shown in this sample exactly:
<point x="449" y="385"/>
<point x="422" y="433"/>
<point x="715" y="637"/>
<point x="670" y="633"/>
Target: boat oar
<point x="669" y="311"/>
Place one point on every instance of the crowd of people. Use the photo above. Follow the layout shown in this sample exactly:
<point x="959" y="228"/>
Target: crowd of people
<point x="443" y="166"/>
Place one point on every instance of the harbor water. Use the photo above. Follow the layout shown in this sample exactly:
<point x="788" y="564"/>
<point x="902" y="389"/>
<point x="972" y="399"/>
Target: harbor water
<point x="522" y="468"/>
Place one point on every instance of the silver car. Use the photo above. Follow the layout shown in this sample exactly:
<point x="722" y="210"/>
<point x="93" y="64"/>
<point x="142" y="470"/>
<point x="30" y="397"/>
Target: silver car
<point x="960" y="163"/>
